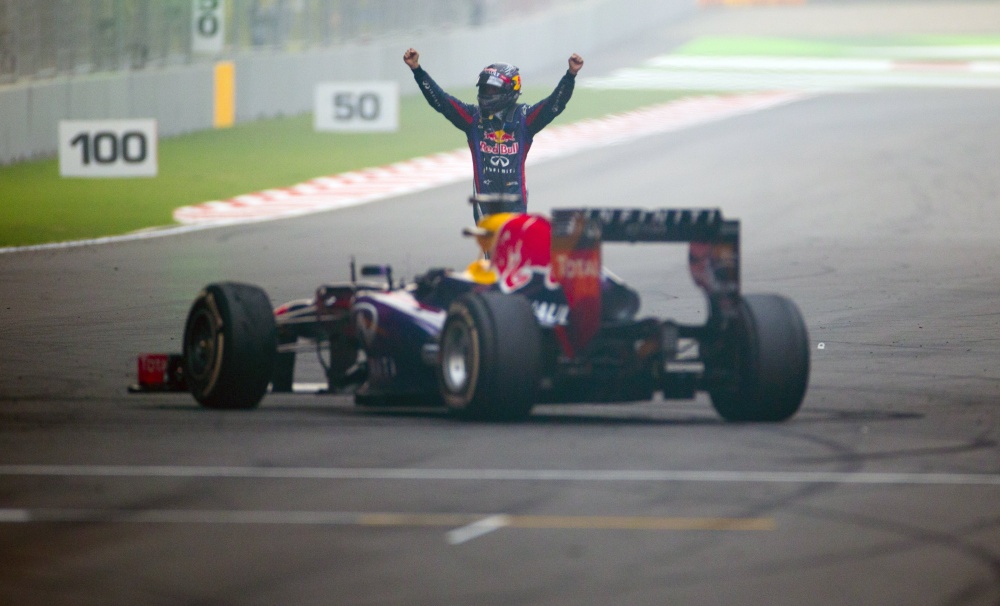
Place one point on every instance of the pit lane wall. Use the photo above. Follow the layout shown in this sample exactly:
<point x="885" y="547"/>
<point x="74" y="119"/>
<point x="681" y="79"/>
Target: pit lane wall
<point x="270" y="84"/>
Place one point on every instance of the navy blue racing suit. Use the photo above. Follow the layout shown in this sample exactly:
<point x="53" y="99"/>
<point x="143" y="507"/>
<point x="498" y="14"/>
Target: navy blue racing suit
<point x="499" y="143"/>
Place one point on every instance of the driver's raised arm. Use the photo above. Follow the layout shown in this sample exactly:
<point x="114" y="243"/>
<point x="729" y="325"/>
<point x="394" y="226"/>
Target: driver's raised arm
<point x="546" y="110"/>
<point x="457" y="112"/>
<point x="412" y="58"/>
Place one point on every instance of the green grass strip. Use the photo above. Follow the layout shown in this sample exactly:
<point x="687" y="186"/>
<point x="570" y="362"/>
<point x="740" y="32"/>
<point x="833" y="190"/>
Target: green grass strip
<point x="733" y="46"/>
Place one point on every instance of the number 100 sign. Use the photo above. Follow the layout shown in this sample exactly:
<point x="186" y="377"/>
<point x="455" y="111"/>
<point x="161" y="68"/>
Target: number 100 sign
<point x="107" y="148"/>
<point x="357" y="106"/>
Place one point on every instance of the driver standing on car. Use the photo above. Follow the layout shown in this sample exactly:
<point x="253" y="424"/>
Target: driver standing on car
<point x="499" y="129"/>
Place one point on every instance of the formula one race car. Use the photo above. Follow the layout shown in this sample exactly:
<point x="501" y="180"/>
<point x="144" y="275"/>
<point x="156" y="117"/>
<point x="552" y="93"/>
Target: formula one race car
<point x="535" y="319"/>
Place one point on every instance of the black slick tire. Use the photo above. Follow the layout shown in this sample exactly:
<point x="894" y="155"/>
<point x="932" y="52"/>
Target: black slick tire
<point x="490" y="357"/>
<point x="230" y="345"/>
<point x="767" y="358"/>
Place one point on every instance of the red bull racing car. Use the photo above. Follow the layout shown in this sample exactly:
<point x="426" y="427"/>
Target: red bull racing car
<point x="535" y="319"/>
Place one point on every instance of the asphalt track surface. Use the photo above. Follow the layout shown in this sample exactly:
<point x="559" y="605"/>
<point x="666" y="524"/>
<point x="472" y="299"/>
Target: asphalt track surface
<point x="876" y="212"/>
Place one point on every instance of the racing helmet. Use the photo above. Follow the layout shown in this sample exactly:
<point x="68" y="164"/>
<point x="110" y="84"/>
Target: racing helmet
<point x="499" y="87"/>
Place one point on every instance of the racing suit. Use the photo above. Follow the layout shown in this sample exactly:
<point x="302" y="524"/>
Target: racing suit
<point x="499" y="143"/>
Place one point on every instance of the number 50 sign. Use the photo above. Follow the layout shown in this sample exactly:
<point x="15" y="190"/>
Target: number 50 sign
<point x="357" y="106"/>
<point x="107" y="148"/>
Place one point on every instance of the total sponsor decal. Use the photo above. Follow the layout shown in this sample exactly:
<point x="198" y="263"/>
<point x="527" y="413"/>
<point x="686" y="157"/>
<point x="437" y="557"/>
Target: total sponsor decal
<point x="576" y="265"/>
<point x="572" y="269"/>
<point x="160" y="371"/>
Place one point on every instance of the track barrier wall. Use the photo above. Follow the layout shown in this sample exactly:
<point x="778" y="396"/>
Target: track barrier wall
<point x="255" y="84"/>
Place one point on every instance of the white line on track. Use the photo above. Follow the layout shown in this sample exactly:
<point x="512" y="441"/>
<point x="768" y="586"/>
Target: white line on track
<point x="480" y="475"/>
<point x="8" y="516"/>
<point x="476" y="529"/>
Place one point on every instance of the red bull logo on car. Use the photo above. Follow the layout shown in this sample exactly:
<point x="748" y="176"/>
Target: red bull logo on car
<point x="523" y="250"/>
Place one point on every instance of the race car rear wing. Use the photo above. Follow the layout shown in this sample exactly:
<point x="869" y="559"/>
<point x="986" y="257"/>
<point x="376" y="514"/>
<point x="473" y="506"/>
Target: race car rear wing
<point x="663" y="225"/>
<point x="714" y="241"/>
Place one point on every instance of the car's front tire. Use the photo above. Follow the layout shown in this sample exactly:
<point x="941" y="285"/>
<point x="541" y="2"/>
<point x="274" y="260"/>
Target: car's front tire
<point x="490" y="357"/>
<point x="230" y="345"/>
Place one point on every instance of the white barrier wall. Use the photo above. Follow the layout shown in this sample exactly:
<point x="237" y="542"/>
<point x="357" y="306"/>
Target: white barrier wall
<point x="179" y="99"/>
<point x="274" y="84"/>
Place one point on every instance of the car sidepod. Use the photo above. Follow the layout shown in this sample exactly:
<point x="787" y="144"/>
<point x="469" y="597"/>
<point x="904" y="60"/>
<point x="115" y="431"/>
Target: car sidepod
<point x="398" y="336"/>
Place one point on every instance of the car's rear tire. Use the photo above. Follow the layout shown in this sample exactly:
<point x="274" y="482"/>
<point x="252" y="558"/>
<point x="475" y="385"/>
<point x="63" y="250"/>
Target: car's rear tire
<point x="230" y="346"/>
<point x="490" y="361"/>
<point x="766" y="357"/>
